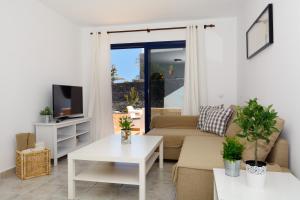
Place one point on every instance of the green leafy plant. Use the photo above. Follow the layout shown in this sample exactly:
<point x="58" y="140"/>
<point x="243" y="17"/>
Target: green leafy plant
<point x="114" y="74"/>
<point x="46" y="111"/>
<point x="132" y="97"/>
<point x="257" y="122"/>
<point x="232" y="149"/>
<point x="125" y="123"/>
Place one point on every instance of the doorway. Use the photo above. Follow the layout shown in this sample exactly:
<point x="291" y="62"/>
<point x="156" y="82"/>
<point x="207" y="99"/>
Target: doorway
<point x="147" y="81"/>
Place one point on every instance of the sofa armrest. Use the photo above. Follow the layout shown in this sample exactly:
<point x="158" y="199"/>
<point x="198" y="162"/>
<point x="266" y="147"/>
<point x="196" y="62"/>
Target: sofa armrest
<point x="189" y="122"/>
<point x="280" y="153"/>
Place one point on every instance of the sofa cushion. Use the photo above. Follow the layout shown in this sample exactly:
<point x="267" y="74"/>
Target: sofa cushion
<point x="178" y="122"/>
<point x="173" y="138"/>
<point x="280" y="153"/>
<point x="203" y="114"/>
<point x="201" y="152"/>
<point x="217" y="121"/>
<point x="263" y="147"/>
<point x="233" y="129"/>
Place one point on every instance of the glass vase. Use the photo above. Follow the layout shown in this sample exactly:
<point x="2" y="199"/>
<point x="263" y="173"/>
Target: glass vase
<point x="125" y="136"/>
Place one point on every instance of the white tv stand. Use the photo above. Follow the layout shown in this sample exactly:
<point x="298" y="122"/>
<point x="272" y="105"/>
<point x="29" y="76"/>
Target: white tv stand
<point x="64" y="137"/>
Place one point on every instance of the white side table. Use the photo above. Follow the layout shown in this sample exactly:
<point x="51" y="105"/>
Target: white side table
<point x="279" y="186"/>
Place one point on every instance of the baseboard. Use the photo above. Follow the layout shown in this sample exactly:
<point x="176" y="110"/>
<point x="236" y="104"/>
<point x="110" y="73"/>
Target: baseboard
<point x="7" y="173"/>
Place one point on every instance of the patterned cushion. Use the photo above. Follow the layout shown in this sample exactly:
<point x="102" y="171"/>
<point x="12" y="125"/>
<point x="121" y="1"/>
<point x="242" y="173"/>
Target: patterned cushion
<point x="203" y="113"/>
<point x="217" y="120"/>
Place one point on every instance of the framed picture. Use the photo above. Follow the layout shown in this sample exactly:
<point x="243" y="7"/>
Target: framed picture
<point x="260" y="35"/>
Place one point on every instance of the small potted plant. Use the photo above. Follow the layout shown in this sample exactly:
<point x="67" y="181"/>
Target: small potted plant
<point x="126" y="124"/>
<point x="257" y="123"/>
<point x="232" y="155"/>
<point x="46" y="114"/>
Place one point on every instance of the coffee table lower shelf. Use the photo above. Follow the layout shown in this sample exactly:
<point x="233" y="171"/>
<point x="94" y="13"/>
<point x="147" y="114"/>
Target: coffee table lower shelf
<point x="120" y="173"/>
<point x="111" y="173"/>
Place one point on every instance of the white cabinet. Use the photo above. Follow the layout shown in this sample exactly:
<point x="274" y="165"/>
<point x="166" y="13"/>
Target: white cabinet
<point x="64" y="137"/>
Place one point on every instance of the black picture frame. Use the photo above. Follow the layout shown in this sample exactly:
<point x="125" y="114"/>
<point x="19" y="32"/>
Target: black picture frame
<point x="269" y="10"/>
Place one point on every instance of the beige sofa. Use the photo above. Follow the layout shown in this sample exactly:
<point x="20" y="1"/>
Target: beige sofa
<point x="198" y="153"/>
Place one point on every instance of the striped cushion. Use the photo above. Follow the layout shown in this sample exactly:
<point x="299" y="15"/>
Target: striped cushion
<point x="217" y="120"/>
<point x="203" y="113"/>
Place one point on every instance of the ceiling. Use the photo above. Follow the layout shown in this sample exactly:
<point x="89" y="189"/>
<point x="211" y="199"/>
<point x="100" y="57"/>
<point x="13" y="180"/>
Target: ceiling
<point x="168" y="56"/>
<point x="117" y="12"/>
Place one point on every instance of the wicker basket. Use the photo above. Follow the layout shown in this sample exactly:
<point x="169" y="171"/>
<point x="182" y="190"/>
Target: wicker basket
<point x="33" y="164"/>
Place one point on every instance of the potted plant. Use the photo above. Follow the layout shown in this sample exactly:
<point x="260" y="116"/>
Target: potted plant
<point x="126" y="124"/>
<point x="257" y="123"/>
<point x="46" y="114"/>
<point x="232" y="155"/>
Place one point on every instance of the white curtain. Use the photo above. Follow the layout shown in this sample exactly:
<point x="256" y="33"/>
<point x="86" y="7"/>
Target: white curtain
<point x="100" y="100"/>
<point x="195" y="84"/>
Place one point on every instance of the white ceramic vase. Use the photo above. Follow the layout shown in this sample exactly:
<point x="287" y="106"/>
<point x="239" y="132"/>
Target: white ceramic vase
<point x="256" y="175"/>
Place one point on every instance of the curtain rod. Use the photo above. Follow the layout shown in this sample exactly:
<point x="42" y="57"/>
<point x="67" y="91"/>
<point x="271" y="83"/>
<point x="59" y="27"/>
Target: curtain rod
<point x="156" y="29"/>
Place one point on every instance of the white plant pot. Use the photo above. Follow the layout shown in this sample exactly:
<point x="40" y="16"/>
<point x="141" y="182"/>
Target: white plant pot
<point x="256" y="175"/>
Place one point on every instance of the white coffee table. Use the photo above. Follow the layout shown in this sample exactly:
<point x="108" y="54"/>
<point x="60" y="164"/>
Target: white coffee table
<point x="122" y="164"/>
<point x="279" y="186"/>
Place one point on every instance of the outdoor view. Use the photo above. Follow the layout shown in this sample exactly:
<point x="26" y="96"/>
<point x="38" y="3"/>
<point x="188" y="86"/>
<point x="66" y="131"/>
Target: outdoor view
<point x="166" y="74"/>
<point x="128" y="87"/>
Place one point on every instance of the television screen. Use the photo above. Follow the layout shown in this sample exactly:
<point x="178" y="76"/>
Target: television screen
<point x="67" y="101"/>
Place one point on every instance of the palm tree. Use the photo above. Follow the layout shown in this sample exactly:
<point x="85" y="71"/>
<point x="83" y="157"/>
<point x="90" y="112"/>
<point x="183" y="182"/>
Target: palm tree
<point x="114" y="74"/>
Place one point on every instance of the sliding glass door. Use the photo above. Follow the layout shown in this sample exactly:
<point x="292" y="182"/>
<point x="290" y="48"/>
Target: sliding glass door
<point x="147" y="81"/>
<point x="166" y="81"/>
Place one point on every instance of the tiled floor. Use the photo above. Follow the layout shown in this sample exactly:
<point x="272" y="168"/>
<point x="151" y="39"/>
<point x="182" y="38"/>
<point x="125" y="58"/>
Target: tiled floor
<point x="159" y="186"/>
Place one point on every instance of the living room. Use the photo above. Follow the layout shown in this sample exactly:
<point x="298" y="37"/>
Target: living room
<point x="200" y="52"/>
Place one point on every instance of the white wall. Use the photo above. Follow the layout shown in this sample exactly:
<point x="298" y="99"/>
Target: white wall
<point x="220" y="44"/>
<point x="37" y="48"/>
<point x="273" y="75"/>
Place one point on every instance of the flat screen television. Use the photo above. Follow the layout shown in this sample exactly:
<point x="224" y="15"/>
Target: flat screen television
<point x="67" y="101"/>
